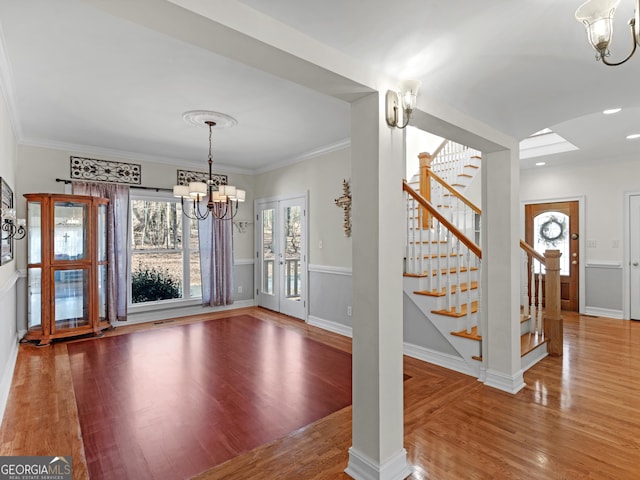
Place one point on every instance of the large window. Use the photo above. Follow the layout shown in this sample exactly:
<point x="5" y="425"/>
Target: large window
<point x="165" y="263"/>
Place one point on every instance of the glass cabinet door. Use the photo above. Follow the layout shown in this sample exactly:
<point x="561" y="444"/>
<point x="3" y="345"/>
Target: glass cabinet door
<point x="71" y="298"/>
<point x="70" y="231"/>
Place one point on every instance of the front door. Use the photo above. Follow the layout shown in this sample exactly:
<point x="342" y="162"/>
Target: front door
<point x="555" y="226"/>
<point x="281" y="278"/>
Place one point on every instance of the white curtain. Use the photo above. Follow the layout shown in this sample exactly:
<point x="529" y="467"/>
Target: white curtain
<point x="117" y="241"/>
<point x="216" y="261"/>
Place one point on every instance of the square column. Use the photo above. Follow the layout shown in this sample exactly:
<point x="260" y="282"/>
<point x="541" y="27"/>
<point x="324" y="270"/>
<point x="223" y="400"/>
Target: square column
<point x="377" y="451"/>
<point x="501" y="270"/>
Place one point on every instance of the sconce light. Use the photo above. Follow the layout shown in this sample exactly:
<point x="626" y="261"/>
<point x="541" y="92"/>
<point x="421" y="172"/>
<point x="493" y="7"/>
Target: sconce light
<point x="408" y="98"/>
<point x="12" y="228"/>
<point x="597" y="17"/>
<point x="241" y="225"/>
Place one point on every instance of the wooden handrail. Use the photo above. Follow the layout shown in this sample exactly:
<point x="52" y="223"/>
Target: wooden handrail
<point x="530" y="251"/>
<point x="450" y="226"/>
<point x="455" y="193"/>
<point x="439" y="149"/>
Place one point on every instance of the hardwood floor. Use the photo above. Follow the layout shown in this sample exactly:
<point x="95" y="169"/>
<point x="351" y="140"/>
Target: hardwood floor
<point x="577" y="418"/>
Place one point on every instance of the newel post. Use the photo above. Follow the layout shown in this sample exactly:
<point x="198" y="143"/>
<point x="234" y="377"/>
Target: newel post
<point x="552" y="318"/>
<point x="425" y="184"/>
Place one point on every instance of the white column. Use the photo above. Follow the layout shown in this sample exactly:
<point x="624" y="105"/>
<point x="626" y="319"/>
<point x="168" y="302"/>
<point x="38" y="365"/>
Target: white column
<point x="501" y="270"/>
<point x="377" y="450"/>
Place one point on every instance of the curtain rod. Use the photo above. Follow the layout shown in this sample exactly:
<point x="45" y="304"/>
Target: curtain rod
<point x="139" y="187"/>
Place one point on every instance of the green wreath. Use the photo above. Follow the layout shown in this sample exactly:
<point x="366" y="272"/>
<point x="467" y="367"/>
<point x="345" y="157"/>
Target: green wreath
<point x="553" y="231"/>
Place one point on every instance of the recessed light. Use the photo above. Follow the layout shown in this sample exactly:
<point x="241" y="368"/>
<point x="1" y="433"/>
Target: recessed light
<point x="611" y="110"/>
<point x="633" y="136"/>
<point x="539" y="164"/>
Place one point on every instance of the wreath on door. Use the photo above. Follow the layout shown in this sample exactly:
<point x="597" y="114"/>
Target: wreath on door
<point x="553" y="231"/>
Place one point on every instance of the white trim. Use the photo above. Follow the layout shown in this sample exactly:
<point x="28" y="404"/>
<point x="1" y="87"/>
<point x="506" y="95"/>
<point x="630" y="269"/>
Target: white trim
<point x="445" y="360"/>
<point x="603" y="264"/>
<point x="167" y="313"/>
<point x="507" y="383"/>
<point x="361" y="467"/>
<point x="8" y="285"/>
<point x="324" y="150"/>
<point x="331" y="270"/>
<point x="7" y="377"/>
<point x="605" y="312"/>
<point x="331" y="326"/>
<point x="243" y="261"/>
<point x="533" y="357"/>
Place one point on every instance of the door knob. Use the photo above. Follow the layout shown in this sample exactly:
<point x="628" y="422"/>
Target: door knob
<point x="575" y="262"/>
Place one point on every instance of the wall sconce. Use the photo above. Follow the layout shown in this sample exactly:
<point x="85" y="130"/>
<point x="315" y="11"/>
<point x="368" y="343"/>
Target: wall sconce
<point x="241" y="225"/>
<point x="408" y="97"/>
<point x="597" y="17"/>
<point x="12" y="228"/>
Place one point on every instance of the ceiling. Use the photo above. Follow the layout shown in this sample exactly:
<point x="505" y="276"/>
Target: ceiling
<point x="77" y="76"/>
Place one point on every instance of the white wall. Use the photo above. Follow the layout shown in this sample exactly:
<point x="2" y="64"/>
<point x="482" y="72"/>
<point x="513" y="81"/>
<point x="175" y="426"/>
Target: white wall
<point x="602" y="185"/>
<point x="322" y="177"/>
<point x="8" y="275"/>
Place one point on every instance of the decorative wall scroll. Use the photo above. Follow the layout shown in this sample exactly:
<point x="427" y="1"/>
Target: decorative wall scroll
<point x="6" y="245"/>
<point x="344" y="202"/>
<point x="105" y="171"/>
<point x="186" y="176"/>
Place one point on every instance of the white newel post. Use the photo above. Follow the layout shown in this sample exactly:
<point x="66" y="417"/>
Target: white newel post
<point x="377" y="451"/>
<point x="501" y="270"/>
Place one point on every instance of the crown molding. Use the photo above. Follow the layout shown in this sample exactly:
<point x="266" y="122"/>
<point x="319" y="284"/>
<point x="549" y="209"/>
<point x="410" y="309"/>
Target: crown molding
<point x="325" y="149"/>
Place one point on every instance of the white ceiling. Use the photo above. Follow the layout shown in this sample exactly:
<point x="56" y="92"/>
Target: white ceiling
<point x="84" y="79"/>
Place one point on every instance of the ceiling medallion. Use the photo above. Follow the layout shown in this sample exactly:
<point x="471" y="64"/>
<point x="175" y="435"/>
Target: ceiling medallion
<point x="202" y="118"/>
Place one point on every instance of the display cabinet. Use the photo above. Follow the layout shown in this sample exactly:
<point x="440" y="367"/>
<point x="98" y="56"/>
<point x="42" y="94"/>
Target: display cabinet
<point x="66" y="266"/>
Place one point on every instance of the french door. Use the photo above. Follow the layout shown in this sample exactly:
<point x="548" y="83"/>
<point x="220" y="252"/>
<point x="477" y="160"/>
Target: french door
<point x="281" y="253"/>
<point x="556" y="226"/>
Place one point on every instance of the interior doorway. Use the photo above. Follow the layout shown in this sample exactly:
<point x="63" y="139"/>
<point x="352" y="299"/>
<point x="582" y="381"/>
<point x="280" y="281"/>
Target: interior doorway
<point x="556" y="226"/>
<point x="281" y="253"/>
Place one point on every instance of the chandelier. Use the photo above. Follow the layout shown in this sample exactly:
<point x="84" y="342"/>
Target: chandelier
<point x="221" y="203"/>
<point x="597" y="17"/>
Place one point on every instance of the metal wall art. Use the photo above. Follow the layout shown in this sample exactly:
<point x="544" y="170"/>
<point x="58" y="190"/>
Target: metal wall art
<point x="186" y="176"/>
<point x="344" y="202"/>
<point x="105" y="171"/>
<point x="6" y="245"/>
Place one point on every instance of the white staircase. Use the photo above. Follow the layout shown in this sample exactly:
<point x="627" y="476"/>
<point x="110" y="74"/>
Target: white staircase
<point x="442" y="270"/>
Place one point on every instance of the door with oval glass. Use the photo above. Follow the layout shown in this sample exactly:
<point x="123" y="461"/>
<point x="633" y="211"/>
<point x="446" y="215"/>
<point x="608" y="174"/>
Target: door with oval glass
<point x="281" y="253"/>
<point x="555" y="226"/>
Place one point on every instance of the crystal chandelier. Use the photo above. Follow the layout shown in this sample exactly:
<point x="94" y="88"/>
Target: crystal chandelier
<point x="222" y="203"/>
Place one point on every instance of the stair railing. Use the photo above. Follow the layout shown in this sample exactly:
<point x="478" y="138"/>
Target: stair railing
<point x="452" y="204"/>
<point x="450" y="160"/>
<point x="442" y="254"/>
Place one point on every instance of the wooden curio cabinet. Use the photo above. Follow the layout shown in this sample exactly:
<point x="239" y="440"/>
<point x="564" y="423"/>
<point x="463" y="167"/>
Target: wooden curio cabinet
<point x="66" y="266"/>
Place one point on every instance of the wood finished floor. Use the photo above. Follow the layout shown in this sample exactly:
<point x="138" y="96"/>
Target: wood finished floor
<point x="577" y="418"/>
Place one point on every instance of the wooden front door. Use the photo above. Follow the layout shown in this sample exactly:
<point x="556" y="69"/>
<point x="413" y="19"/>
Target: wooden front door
<point x="555" y="226"/>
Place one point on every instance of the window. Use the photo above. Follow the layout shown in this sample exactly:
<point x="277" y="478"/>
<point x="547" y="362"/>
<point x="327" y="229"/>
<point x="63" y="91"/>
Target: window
<point x="165" y="263"/>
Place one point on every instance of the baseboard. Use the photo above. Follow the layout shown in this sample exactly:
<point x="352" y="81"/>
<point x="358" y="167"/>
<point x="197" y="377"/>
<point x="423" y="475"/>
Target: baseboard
<point x="604" y="312"/>
<point x="507" y="383"/>
<point x="533" y="357"/>
<point x="155" y="315"/>
<point x="438" y="358"/>
<point x="331" y="326"/>
<point x="7" y="377"/>
<point x="361" y="467"/>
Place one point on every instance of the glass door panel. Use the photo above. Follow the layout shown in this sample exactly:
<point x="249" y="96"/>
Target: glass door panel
<point x="102" y="233"/>
<point x="71" y="298"/>
<point x="293" y="242"/>
<point x="70" y="231"/>
<point x="34" y="305"/>
<point x="268" y="251"/>
<point x="551" y="231"/>
<point x="34" y="239"/>
<point x="102" y="293"/>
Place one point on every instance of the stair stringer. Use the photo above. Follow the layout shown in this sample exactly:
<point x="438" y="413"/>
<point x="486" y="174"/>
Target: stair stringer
<point x="458" y="353"/>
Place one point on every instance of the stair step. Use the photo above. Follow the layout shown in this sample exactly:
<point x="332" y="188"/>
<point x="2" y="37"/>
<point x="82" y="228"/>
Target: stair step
<point x="458" y="185"/>
<point x="454" y="313"/>
<point x="471" y="166"/>
<point x="465" y="175"/>
<point x="471" y="336"/>
<point x="528" y="343"/>
<point x="443" y="292"/>
<point x="434" y="272"/>
<point x="424" y="242"/>
<point x="476" y="156"/>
